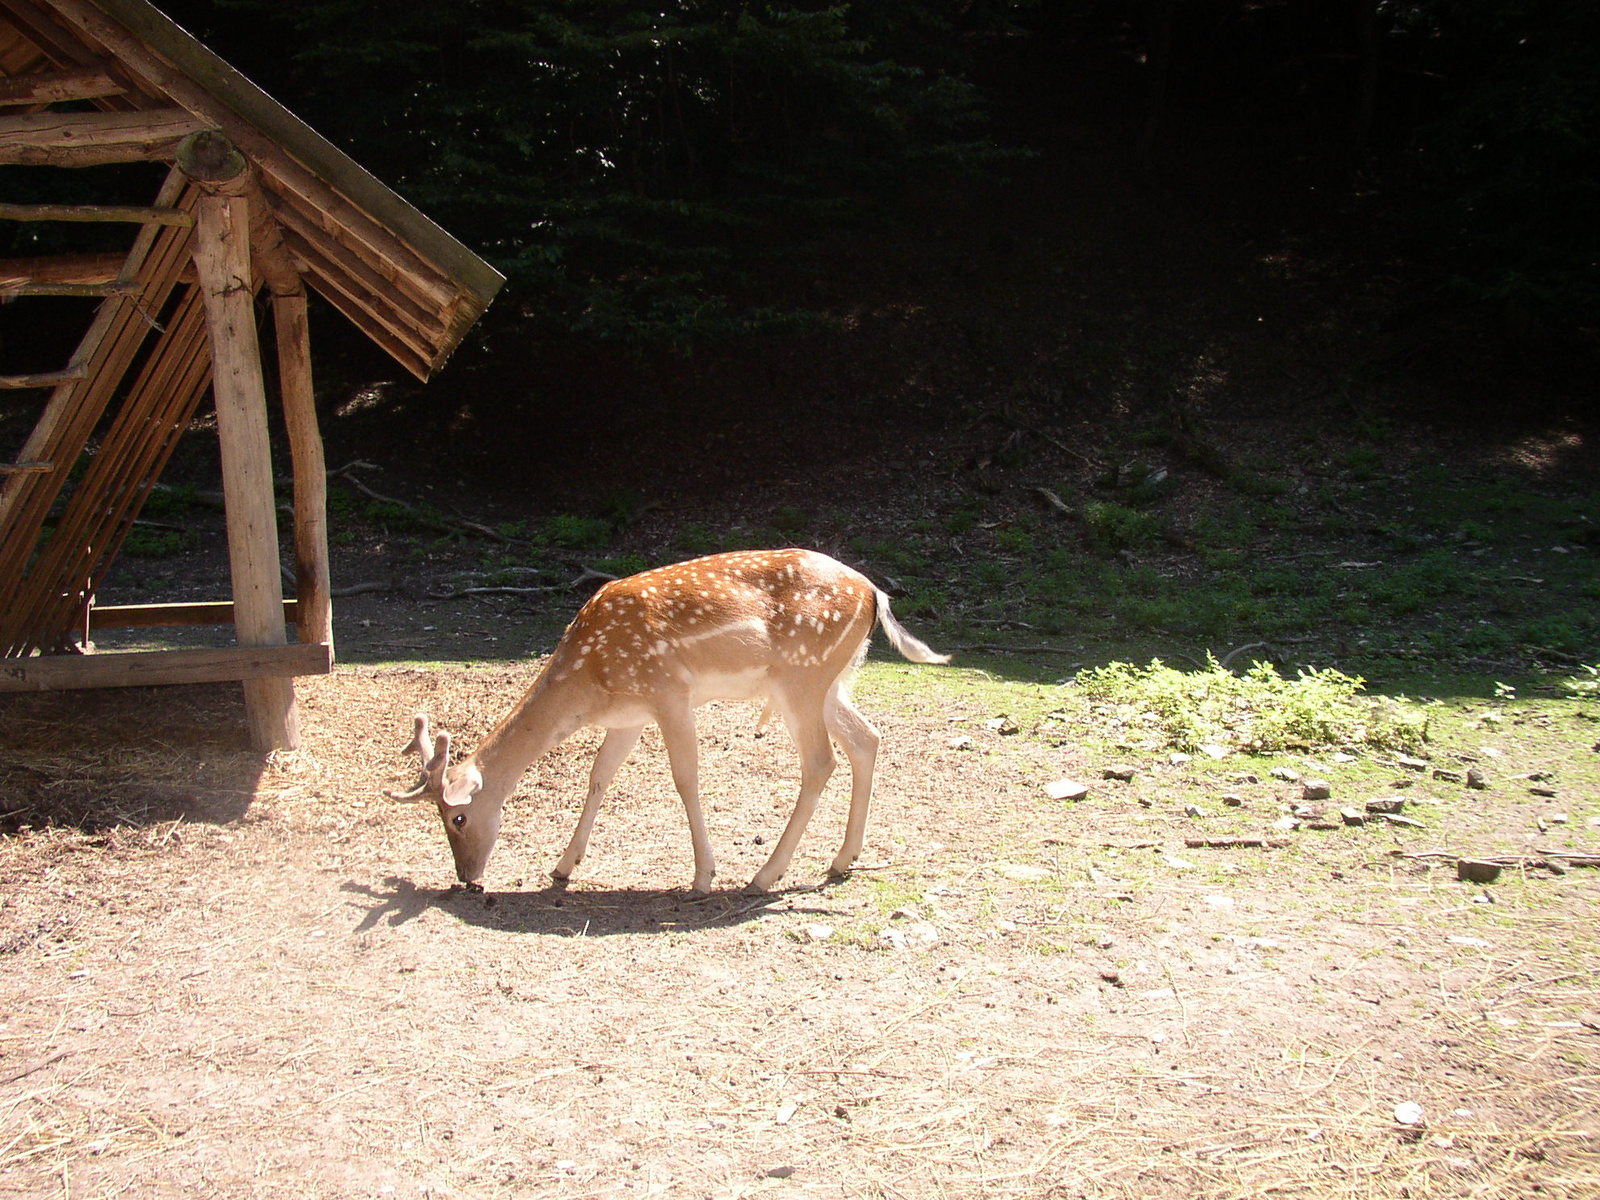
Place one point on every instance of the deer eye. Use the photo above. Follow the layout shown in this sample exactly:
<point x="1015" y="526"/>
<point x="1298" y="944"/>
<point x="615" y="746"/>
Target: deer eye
<point x="459" y="820"/>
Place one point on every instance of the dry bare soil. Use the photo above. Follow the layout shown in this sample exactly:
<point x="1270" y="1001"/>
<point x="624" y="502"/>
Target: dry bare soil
<point x="229" y="976"/>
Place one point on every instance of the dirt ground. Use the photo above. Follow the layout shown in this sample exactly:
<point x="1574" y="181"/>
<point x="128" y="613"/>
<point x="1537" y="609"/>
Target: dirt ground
<point x="234" y="977"/>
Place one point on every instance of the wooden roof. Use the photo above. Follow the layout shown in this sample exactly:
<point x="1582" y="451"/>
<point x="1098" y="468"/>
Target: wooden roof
<point x="253" y="199"/>
<point x="405" y="282"/>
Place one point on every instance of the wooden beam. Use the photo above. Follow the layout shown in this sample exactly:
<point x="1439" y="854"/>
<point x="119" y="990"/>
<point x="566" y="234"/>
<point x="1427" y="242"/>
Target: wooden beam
<point x="156" y="616"/>
<point x="61" y="268"/>
<point x="44" y="379"/>
<point x="90" y="290"/>
<point x="88" y="139"/>
<point x="222" y="259"/>
<point x="64" y="672"/>
<point x="27" y="468"/>
<point x="47" y="87"/>
<point x="312" y="575"/>
<point x="136" y="214"/>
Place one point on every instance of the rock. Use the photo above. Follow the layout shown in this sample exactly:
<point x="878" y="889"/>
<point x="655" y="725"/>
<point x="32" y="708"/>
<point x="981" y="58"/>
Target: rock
<point x="1233" y="800"/>
<point x="1351" y="816"/>
<point x="1121" y="774"/>
<point x="905" y="913"/>
<point x="1409" y="1113"/>
<point x="817" y="933"/>
<point x="1549" y="793"/>
<point x="1179" y="758"/>
<point x="1477" y="779"/>
<point x="1176" y="863"/>
<point x="1285" y="824"/>
<point x="1003" y="725"/>
<point x="1445" y="776"/>
<point x="1066" y="789"/>
<point x="960" y="742"/>
<point x="1193" y="810"/>
<point x="1287" y="774"/>
<point x="1477" y="870"/>
<point x="1558" y="818"/>
<point x="1307" y="812"/>
<point x="1212" y="750"/>
<point x="1386" y="804"/>
<point x="1316" y="789"/>
<point x="1411" y="764"/>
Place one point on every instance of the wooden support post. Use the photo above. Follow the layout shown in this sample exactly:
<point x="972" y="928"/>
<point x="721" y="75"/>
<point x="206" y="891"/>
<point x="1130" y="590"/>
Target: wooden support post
<point x="312" y="586"/>
<point x="222" y="261"/>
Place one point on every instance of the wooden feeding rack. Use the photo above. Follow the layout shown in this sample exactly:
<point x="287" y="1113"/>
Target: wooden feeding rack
<point x="253" y="201"/>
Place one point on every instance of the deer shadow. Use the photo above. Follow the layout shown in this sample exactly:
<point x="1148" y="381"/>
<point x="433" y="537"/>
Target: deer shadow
<point x="556" y="910"/>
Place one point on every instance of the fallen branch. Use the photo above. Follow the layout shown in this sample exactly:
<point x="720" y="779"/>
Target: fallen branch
<point x="1237" y="843"/>
<point x="23" y="1072"/>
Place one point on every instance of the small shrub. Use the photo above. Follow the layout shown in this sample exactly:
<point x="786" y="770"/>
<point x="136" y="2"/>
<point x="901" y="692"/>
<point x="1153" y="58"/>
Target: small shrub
<point x="1113" y="527"/>
<point x="1258" y="711"/>
<point x="577" y="533"/>
<point x="143" y="542"/>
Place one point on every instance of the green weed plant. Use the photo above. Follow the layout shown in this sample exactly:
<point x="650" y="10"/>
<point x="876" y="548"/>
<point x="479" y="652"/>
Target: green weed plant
<point x="1259" y="711"/>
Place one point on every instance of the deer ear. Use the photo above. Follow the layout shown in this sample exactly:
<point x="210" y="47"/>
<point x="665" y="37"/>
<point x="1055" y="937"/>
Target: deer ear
<point x="463" y="787"/>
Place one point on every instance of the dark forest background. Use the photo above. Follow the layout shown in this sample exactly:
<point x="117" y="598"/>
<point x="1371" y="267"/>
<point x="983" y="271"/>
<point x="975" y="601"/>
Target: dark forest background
<point x="640" y="169"/>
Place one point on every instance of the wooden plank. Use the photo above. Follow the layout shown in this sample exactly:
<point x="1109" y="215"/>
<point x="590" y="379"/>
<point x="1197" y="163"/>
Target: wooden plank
<point x="47" y="87"/>
<point x="312" y="574"/>
<point x="44" y="379"/>
<point x="156" y="616"/>
<point x="26" y="468"/>
<point x="88" y="139"/>
<point x="135" y="214"/>
<point x="149" y="668"/>
<point x="222" y="260"/>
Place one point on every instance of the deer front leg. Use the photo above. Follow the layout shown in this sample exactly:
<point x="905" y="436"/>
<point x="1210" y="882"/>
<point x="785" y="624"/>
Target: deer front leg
<point x="614" y="750"/>
<point x="683" y="752"/>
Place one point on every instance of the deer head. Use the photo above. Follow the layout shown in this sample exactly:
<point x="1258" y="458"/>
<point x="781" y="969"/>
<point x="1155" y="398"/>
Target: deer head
<point x="471" y="827"/>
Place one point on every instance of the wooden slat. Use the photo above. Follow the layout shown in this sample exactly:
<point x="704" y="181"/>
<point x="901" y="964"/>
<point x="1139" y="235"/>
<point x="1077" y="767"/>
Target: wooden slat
<point x="149" y="616"/>
<point x="107" y="350"/>
<point x="26" y="468"/>
<point x="130" y="213"/>
<point x="44" y="379"/>
<point x="47" y="87"/>
<point x="149" y="668"/>
<point x="101" y="508"/>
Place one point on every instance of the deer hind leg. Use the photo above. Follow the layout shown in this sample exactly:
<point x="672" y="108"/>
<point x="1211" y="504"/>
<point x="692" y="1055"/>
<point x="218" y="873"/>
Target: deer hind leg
<point x="808" y="728"/>
<point x="614" y="750"/>
<point x="859" y="740"/>
<point x="683" y="752"/>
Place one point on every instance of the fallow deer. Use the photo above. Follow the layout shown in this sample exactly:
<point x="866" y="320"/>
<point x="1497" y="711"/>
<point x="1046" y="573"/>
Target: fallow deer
<point x="785" y="626"/>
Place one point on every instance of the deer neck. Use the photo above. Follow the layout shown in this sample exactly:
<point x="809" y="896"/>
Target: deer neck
<point x="545" y="717"/>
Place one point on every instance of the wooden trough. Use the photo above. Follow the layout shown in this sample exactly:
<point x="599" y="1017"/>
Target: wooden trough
<point x="253" y="201"/>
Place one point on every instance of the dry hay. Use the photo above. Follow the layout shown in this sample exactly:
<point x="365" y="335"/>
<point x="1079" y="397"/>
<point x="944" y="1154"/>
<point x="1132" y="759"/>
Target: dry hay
<point x="233" y="977"/>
